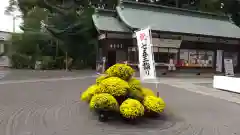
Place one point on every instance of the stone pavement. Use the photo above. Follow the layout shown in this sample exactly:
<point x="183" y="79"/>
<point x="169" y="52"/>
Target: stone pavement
<point x="53" y="108"/>
<point x="14" y="74"/>
<point x="202" y="86"/>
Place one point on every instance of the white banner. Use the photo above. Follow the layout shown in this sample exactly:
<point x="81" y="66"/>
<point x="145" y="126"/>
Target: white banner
<point x="146" y="60"/>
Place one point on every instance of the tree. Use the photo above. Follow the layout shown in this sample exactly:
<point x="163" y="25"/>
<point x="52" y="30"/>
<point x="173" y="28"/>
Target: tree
<point x="68" y="22"/>
<point x="232" y="8"/>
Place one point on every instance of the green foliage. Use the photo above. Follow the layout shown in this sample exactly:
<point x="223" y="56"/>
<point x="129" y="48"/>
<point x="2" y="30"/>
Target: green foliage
<point x="50" y="23"/>
<point x="231" y="7"/>
<point x="20" y="61"/>
<point x="48" y="62"/>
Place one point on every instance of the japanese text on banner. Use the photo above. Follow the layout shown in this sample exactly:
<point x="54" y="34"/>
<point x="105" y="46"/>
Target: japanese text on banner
<point x="146" y="62"/>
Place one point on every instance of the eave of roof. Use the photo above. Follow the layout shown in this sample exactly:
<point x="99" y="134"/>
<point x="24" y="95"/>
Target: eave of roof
<point x="138" y="15"/>
<point x="106" y="20"/>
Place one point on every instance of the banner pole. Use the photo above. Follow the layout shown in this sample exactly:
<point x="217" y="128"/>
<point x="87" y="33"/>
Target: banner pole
<point x="152" y="47"/>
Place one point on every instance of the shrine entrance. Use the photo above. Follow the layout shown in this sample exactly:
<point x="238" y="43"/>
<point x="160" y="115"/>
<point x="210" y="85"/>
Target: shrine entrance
<point x="111" y="58"/>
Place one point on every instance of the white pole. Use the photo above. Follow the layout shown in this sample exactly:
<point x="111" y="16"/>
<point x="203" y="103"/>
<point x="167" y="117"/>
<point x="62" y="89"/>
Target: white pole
<point x="103" y="66"/>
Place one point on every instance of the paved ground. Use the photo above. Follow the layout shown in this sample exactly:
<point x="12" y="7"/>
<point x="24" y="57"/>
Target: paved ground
<point x="41" y="74"/>
<point x="52" y="107"/>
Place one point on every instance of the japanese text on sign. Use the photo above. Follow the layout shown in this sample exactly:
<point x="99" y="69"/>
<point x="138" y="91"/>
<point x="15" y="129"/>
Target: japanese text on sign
<point x="145" y="65"/>
<point x="146" y="62"/>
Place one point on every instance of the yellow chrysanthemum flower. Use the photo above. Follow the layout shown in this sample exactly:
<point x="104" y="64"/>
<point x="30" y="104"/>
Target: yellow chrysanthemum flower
<point x="135" y="89"/>
<point x="100" y="78"/>
<point x="87" y="95"/>
<point x="147" y="92"/>
<point x="131" y="109"/>
<point x="133" y="82"/>
<point x="155" y="104"/>
<point x="104" y="101"/>
<point x="114" y="86"/>
<point x="122" y="71"/>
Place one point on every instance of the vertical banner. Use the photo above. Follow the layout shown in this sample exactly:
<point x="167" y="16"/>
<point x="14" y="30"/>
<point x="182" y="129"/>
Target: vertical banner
<point x="146" y="60"/>
<point x="219" y="60"/>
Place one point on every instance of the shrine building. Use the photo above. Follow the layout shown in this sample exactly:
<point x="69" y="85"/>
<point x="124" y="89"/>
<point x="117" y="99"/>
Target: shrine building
<point x="188" y="37"/>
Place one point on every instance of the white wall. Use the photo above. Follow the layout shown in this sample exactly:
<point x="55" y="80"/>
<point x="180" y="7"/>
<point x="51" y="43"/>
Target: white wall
<point x="4" y="60"/>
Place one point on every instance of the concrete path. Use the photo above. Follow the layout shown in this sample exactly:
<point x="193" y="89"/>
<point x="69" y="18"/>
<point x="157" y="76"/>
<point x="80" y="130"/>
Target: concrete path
<point x="52" y="107"/>
<point x="201" y="86"/>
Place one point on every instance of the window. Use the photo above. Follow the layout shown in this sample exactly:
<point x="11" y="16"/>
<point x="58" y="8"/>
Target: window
<point x="164" y="54"/>
<point x="196" y="58"/>
<point x="132" y="55"/>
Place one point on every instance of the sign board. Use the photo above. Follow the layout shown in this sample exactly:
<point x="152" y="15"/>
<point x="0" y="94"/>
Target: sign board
<point x="228" y="64"/>
<point x="146" y="60"/>
<point x="219" y="60"/>
<point x="169" y="43"/>
<point x="200" y="38"/>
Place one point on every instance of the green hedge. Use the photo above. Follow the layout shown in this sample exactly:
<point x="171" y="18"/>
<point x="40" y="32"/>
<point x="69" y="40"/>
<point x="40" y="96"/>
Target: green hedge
<point x="21" y="61"/>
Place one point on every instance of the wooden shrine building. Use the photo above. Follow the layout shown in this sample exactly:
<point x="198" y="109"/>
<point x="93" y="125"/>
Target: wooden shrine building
<point x="189" y="37"/>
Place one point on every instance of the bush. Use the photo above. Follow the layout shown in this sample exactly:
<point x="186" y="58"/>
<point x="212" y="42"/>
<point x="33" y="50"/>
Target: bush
<point x="131" y="109"/>
<point x="104" y="101"/>
<point x="87" y="95"/>
<point x="122" y="71"/>
<point x="48" y="62"/>
<point x="114" y="86"/>
<point x="21" y="61"/>
<point x="154" y="104"/>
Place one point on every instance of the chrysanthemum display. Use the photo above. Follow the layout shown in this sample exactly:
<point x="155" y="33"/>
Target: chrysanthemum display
<point x="100" y="78"/>
<point x="131" y="109"/>
<point x="114" y="86"/>
<point x="135" y="89"/>
<point x="104" y="101"/>
<point x="117" y="87"/>
<point x="87" y="95"/>
<point x="147" y="92"/>
<point x="155" y="104"/>
<point x="134" y="83"/>
<point x="122" y="71"/>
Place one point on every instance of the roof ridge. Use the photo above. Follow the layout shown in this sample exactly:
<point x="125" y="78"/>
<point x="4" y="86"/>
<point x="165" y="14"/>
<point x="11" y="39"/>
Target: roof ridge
<point x="172" y="8"/>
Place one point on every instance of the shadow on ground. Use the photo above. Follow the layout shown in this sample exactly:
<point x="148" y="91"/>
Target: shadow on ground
<point x="161" y="122"/>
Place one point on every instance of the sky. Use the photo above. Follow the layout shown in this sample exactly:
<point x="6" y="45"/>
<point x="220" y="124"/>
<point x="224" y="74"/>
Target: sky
<point x="6" y="23"/>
